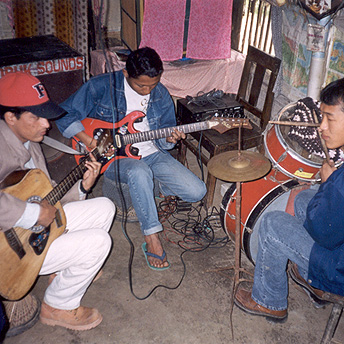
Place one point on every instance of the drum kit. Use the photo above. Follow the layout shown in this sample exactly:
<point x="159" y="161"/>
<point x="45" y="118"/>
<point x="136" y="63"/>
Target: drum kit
<point x="266" y="183"/>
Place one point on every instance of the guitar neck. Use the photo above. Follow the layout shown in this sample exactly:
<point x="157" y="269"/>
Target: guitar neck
<point x="65" y="185"/>
<point x="165" y="132"/>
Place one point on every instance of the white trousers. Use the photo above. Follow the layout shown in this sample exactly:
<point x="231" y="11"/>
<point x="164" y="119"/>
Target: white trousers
<point x="77" y="256"/>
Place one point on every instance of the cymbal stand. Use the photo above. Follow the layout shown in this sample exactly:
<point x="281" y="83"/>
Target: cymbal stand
<point x="237" y="238"/>
<point x="237" y="266"/>
<point x="237" y="262"/>
<point x="237" y="166"/>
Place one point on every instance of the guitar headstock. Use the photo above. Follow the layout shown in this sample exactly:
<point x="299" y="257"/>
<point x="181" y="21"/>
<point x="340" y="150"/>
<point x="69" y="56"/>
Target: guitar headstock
<point x="223" y="124"/>
<point x="104" y="142"/>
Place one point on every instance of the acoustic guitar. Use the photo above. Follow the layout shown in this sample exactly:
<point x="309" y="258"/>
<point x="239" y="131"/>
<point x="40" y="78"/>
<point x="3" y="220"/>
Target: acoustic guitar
<point x="22" y="251"/>
<point x="125" y="134"/>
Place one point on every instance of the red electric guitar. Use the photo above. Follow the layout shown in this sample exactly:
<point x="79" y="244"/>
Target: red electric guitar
<point x="125" y="134"/>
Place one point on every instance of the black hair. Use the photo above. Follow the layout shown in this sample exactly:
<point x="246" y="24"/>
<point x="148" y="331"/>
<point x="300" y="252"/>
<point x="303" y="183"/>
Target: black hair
<point x="333" y="93"/>
<point x="15" y="110"/>
<point x="144" y="61"/>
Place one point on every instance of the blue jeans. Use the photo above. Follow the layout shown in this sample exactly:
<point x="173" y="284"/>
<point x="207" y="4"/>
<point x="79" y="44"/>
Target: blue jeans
<point x="282" y="237"/>
<point x="174" y="180"/>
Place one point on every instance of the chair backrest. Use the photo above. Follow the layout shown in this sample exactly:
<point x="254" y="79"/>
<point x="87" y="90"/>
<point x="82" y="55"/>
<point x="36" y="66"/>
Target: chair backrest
<point x="250" y="88"/>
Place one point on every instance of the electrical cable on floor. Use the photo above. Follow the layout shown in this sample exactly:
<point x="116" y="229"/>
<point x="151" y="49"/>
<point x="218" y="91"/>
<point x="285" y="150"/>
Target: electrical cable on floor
<point x="117" y="179"/>
<point x="183" y="220"/>
<point x="157" y="286"/>
<point x="195" y="232"/>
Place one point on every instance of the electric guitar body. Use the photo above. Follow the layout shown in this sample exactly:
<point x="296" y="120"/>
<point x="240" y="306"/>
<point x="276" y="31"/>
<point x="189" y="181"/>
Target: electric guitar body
<point x="124" y="134"/>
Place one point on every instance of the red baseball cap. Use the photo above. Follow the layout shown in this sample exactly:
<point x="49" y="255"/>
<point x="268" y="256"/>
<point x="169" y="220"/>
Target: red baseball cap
<point x="25" y="91"/>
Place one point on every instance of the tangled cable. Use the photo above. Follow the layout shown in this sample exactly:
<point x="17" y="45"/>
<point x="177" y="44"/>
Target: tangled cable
<point x="212" y="97"/>
<point x="184" y="227"/>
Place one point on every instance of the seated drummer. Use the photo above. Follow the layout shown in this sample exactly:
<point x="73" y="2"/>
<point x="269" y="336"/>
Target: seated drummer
<point x="313" y="239"/>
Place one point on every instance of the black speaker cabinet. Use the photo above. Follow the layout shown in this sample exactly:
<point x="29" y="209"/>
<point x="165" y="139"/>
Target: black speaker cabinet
<point x="60" y="68"/>
<point x="56" y="64"/>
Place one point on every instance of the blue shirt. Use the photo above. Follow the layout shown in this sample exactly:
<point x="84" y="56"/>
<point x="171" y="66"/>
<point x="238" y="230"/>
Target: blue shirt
<point x="325" y="224"/>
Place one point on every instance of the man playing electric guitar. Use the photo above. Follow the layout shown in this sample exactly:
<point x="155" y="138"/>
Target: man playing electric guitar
<point x="110" y="97"/>
<point x="74" y="257"/>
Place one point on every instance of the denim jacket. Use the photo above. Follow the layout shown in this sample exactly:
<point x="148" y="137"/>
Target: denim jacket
<point x="94" y="99"/>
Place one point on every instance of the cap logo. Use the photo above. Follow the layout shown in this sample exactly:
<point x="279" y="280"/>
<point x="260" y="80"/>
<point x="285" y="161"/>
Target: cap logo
<point x="25" y="91"/>
<point x="40" y="90"/>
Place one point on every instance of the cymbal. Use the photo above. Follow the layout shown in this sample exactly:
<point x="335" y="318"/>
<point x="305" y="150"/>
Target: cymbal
<point x="234" y="167"/>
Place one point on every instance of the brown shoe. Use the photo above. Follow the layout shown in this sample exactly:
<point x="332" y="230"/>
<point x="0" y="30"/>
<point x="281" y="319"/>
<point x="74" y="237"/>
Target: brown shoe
<point x="315" y="295"/>
<point x="244" y="301"/>
<point x="79" y="319"/>
<point x="98" y="275"/>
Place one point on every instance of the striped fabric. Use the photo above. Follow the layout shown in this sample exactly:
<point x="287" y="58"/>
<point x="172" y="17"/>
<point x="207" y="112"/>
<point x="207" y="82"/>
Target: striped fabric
<point x="65" y="19"/>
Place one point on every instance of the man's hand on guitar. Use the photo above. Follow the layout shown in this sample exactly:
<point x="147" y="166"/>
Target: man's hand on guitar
<point x="91" y="143"/>
<point x="46" y="214"/>
<point x="92" y="173"/>
<point x="176" y="136"/>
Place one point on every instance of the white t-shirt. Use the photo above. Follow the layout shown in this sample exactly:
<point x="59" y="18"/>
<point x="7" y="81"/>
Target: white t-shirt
<point x="136" y="102"/>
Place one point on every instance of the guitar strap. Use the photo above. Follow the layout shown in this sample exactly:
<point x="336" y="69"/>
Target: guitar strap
<point x="62" y="147"/>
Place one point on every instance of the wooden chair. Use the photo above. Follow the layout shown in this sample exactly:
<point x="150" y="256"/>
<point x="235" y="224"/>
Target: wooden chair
<point x="333" y="320"/>
<point x="259" y="68"/>
<point x="337" y="302"/>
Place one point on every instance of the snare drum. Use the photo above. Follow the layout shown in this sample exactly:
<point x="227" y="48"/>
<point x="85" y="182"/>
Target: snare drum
<point x="287" y="155"/>
<point x="258" y="197"/>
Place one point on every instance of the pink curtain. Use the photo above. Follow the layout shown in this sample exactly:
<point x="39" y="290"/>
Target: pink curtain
<point x="210" y="27"/>
<point x="163" y="27"/>
<point x="209" y="32"/>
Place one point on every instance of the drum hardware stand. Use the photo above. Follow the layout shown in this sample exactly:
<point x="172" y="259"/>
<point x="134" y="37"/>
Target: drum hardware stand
<point x="237" y="166"/>
<point x="298" y="124"/>
<point x="279" y="182"/>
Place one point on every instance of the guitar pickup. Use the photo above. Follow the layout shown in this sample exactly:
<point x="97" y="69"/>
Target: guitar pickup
<point x="118" y="141"/>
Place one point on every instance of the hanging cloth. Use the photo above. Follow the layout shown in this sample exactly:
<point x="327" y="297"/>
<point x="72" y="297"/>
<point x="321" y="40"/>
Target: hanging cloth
<point x="210" y="27"/>
<point x="163" y="28"/>
<point x="207" y="28"/>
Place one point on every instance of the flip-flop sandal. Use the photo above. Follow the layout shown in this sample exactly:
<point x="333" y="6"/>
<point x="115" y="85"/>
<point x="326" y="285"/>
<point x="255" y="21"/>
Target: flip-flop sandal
<point x="146" y="253"/>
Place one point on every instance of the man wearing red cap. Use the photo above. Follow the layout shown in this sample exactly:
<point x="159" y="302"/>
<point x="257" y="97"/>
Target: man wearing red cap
<point x="76" y="256"/>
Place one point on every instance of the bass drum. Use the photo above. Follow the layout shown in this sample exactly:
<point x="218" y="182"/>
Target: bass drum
<point x="258" y="197"/>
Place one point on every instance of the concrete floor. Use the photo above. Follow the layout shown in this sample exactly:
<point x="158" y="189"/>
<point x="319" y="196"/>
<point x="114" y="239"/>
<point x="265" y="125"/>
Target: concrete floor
<point x="198" y="311"/>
